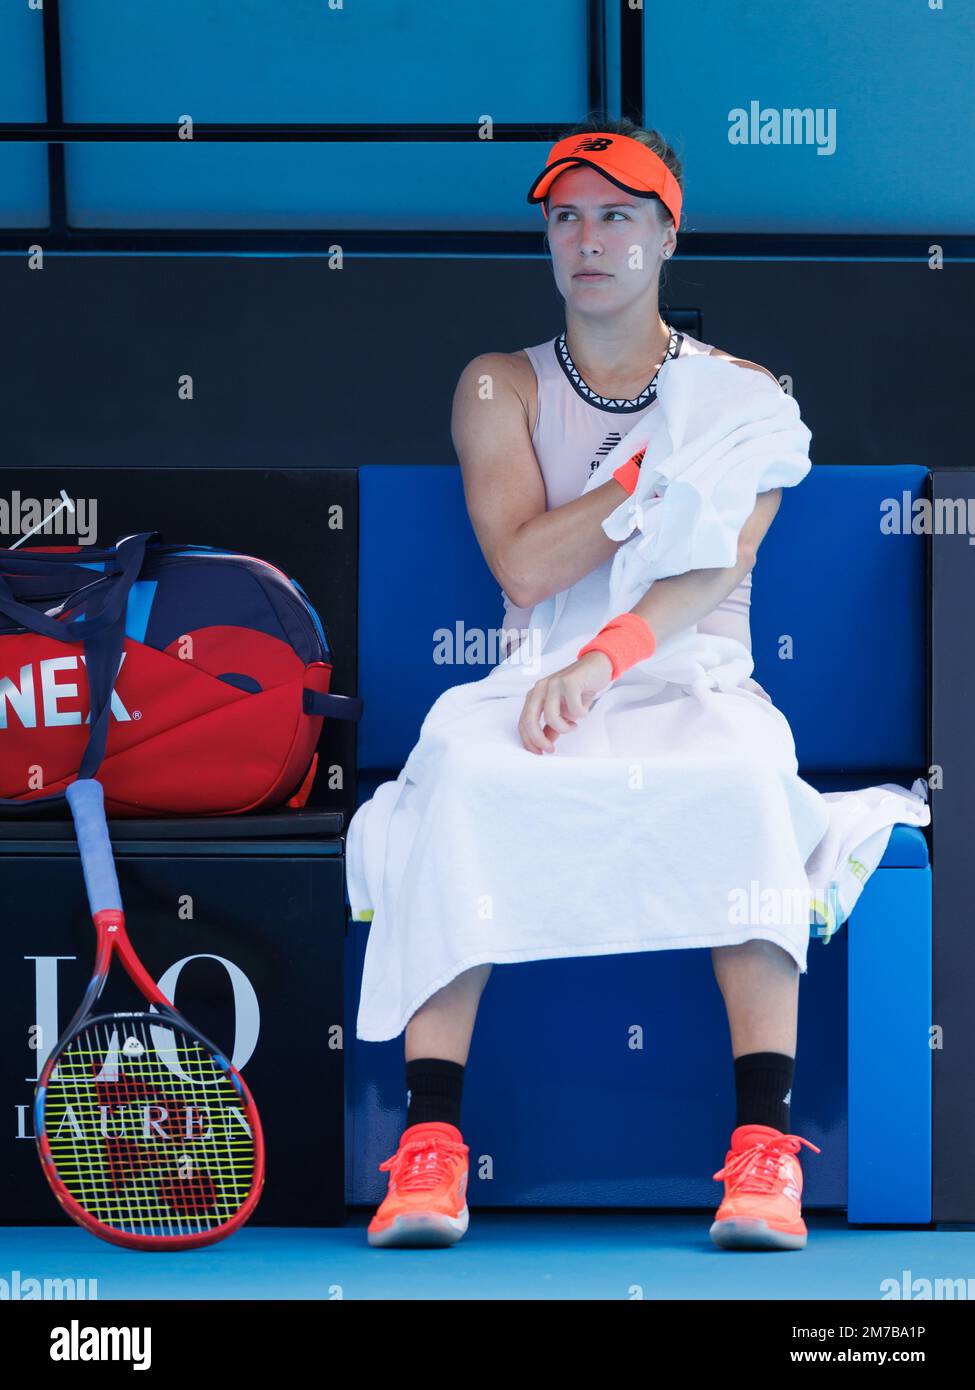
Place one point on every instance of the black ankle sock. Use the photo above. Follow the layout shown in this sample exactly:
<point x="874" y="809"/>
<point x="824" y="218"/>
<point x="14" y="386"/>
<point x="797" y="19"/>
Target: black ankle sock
<point x="434" y="1087"/>
<point x="763" y="1089"/>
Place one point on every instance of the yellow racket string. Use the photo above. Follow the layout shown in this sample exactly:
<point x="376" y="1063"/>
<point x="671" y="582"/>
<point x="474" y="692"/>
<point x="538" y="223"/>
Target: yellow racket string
<point x="147" y="1131"/>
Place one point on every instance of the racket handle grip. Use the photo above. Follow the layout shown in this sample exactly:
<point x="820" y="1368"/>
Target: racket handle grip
<point x="87" y="801"/>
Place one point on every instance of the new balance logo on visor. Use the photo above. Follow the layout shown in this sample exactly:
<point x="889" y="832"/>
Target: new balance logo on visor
<point x="39" y="696"/>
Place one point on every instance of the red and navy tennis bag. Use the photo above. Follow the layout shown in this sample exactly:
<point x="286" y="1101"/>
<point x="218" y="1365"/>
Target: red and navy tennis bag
<point x="192" y="680"/>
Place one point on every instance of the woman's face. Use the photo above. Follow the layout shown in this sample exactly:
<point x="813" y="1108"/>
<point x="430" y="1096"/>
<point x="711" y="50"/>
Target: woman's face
<point x="593" y="226"/>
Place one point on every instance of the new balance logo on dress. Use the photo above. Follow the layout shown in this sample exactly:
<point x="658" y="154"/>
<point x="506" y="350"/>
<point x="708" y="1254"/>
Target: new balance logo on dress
<point x="607" y="446"/>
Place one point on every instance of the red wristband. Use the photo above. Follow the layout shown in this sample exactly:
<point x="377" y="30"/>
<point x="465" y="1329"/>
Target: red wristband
<point x="628" y="473"/>
<point x="626" y="639"/>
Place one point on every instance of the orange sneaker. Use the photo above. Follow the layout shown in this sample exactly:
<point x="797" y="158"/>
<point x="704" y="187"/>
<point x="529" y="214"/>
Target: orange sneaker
<point x="761" y="1209"/>
<point x="426" y="1200"/>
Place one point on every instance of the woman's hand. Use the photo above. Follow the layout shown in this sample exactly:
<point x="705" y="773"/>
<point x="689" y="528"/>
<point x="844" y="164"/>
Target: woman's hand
<point x="563" y="698"/>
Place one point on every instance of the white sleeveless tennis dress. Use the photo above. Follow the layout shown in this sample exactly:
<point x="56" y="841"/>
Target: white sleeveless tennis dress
<point x="575" y="427"/>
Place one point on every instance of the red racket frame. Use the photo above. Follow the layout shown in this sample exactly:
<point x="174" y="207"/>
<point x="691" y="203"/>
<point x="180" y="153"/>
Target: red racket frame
<point x="114" y="939"/>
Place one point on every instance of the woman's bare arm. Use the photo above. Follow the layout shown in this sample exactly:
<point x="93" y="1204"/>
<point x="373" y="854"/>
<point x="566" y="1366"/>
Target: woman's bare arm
<point x="530" y="551"/>
<point x="556" y="702"/>
<point x="670" y="605"/>
<point x="534" y="553"/>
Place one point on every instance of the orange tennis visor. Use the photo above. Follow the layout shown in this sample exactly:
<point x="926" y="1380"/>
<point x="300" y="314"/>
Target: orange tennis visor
<point x="626" y="162"/>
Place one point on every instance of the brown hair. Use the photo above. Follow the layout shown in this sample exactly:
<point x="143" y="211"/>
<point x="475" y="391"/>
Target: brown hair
<point x="596" y="121"/>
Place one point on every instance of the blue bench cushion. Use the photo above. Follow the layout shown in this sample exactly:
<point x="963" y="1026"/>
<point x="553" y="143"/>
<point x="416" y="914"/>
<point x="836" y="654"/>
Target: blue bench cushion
<point x="850" y="598"/>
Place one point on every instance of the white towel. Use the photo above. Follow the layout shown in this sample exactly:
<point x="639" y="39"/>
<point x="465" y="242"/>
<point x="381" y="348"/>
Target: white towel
<point x="673" y="814"/>
<point x="721" y="435"/>
<point x="726" y="434"/>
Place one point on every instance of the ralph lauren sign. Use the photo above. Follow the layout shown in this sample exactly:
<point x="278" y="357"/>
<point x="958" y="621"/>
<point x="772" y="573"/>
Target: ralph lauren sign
<point x="245" y="937"/>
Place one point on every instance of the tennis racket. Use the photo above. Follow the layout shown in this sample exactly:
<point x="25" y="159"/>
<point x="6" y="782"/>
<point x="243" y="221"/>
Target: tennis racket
<point x="146" y="1133"/>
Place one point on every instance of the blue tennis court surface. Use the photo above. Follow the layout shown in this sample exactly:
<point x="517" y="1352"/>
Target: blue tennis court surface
<point x="560" y="1255"/>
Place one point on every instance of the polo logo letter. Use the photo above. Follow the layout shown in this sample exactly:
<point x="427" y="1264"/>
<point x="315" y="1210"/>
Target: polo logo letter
<point x="54" y="695"/>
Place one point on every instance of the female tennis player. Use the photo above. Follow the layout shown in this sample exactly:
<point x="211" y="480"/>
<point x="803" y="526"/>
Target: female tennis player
<point x="612" y="194"/>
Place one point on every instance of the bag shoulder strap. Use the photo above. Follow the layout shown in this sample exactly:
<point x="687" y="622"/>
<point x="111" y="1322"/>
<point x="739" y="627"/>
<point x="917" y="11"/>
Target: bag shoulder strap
<point x="101" y="631"/>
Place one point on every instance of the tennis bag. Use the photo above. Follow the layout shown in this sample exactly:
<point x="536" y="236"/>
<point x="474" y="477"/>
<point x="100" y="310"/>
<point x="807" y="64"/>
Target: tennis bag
<point x="192" y="680"/>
